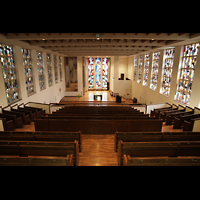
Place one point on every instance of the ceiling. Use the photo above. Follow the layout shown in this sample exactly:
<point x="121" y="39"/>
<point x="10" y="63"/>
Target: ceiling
<point x="102" y="44"/>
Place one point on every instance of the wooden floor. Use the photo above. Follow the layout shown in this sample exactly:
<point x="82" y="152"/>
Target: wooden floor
<point x="97" y="150"/>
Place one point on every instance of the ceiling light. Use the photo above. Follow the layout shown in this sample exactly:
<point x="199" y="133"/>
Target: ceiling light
<point x="43" y="39"/>
<point x="152" y="39"/>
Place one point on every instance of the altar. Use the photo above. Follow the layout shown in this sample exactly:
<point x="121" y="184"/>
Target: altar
<point x="98" y="97"/>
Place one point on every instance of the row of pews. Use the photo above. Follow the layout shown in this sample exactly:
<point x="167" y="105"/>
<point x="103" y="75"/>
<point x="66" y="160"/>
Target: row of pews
<point x="179" y="116"/>
<point x="158" y="148"/>
<point x="38" y="148"/>
<point x="98" y="120"/>
<point x="17" y="116"/>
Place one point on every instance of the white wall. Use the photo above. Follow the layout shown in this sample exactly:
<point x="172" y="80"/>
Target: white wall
<point x="49" y="95"/>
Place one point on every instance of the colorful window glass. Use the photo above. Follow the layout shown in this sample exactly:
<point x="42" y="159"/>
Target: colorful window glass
<point x="40" y="65"/>
<point x="55" y="68"/>
<point x="135" y="69"/>
<point x="91" y="72"/>
<point x="26" y="54"/>
<point x="9" y="73"/>
<point x="104" y="72"/>
<point x="186" y="72"/>
<point x="167" y="71"/>
<point x="98" y="72"/>
<point x="140" y="69"/>
<point x="60" y="67"/>
<point x="146" y="69"/>
<point x="49" y="69"/>
<point x="154" y="70"/>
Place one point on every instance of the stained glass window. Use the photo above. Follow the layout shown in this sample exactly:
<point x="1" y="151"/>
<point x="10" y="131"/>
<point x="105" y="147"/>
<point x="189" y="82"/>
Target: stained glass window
<point x="49" y="69"/>
<point x="9" y="73"/>
<point x="55" y="68"/>
<point x="154" y="70"/>
<point x="186" y="72"/>
<point x="146" y="69"/>
<point x="91" y="72"/>
<point x="104" y="72"/>
<point x="167" y="71"/>
<point x="40" y="65"/>
<point x="140" y="69"/>
<point x="60" y="67"/>
<point x="98" y="72"/>
<point x="135" y="68"/>
<point x="26" y="54"/>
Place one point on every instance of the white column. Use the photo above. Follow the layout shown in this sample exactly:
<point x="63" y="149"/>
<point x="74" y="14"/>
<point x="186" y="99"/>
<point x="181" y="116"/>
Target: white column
<point x="116" y="72"/>
<point x="80" y="75"/>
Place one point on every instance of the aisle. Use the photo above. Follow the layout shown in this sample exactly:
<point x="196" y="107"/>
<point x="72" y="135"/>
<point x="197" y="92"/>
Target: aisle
<point x="97" y="150"/>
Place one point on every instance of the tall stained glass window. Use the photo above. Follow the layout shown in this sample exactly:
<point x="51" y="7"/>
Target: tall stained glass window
<point x="167" y="71"/>
<point x="98" y="72"/>
<point x="91" y="72"/>
<point x="186" y="72"/>
<point x="49" y="69"/>
<point x="26" y="54"/>
<point x="140" y="69"/>
<point x="135" y="69"/>
<point x="40" y="65"/>
<point x="60" y="67"/>
<point x="104" y="72"/>
<point x="55" y="68"/>
<point x="154" y="70"/>
<point x="9" y="73"/>
<point x="146" y="69"/>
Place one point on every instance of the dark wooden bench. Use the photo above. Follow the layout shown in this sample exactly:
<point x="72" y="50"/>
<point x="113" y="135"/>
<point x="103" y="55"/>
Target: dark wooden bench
<point x="40" y="148"/>
<point x="163" y="114"/>
<point x="157" y="149"/>
<point x="18" y="123"/>
<point x="43" y="136"/>
<point x="8" y="125"/>
<point x="188" y="125"/>
<point x="161" y="161"/>
<point x="26" y="111"/>
<point x="170" y="116"/>
<point x="179" y="120"/>
<point x="145" y="116"/>
<point x="155" y="136"/>
<point x="157" y="111"/>
<point x="92" y="126"/>
<point x="26" y="118"/>
<point x="34" y="110"/>
<point x="36" y="161"/>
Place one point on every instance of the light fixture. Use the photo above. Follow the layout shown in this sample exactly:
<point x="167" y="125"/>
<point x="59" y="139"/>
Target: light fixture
<point x="43" y="39"/>
<point x="152" y="39"/>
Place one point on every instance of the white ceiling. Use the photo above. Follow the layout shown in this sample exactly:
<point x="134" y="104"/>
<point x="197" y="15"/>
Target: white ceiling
<point x="108" y="44"/>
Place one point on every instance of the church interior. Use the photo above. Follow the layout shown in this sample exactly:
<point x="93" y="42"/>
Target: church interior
<point x="99" y="99"/>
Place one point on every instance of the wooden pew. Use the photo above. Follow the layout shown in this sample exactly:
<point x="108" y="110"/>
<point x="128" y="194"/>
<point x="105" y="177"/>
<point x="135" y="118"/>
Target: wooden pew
<point x="188" y="125"/>
<point x="157" y="149"/>
<point x="40" y="148"/>
<point x="179" y="120"/>
<point x="37" y="111"/>
<point x="170" y="116"/>
<point x="98" y="117"/>
<point x="161" y="161"/>
<point x="26" y="118"/>
<point x="8" y="125"/>
<point x="157" y="111"/>
<point x="18" y="123"/>
<point x="36" y="161"/>
<point x="163" y="114"/>
<point x="31" y="114"/>
<point x="92" y="126"/>
<point x="155" y="136"/>
<point x="43" y="136"/>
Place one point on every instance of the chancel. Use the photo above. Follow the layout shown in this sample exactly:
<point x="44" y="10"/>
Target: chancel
<point x="99" y="99"/>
